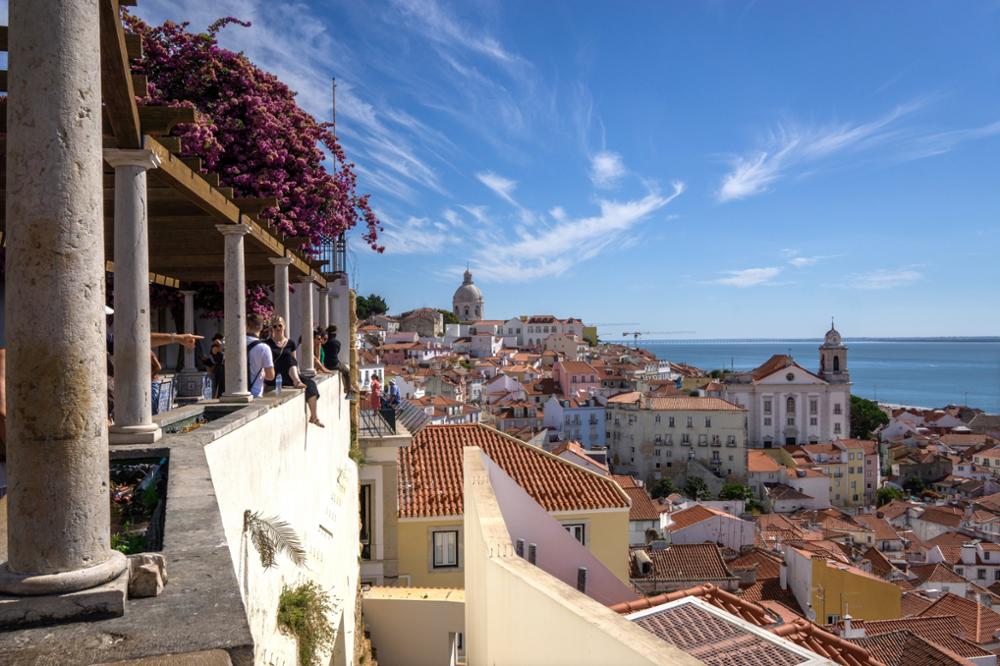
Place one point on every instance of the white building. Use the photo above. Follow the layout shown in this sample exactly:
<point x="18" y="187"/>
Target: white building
<point x="787" y="404"/>
<point x="467" y="304"/>
<point x="699" y="523"/>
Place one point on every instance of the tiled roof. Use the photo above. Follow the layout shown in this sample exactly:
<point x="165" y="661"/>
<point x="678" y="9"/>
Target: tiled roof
<point x="935" y="573"/>
<point x="945" y="632"/>
<point x="903" y="648"/>
<point x="713" y="640"/>
<point x="913" y="603"/>
<point x="776" y="363"/>
<point x="780" y="491"/>
<point x="625" y="481"/>
<point x="758" y="461"/>
<point x="691" y="515"/>
<point x="696" y="562"/>
<point x="770" y="590"/>
<point x="767" y="565"/>
<point x="880" y="565"/>
<point x="883" y="530"/>
<point x="942" y="516"/>
<point x="642" y="506"/>
<point x="430" y="473"/>
<point x="980" y="623"/>
<point x="691" y="404"/>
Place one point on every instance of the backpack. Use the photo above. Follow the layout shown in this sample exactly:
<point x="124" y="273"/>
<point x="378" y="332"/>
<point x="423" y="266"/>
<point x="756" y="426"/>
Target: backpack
<point x="251" y="380"/>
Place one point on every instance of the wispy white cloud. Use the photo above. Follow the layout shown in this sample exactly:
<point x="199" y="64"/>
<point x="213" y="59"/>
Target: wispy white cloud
<point x="791" y="146"/>
<point x="551" y="251"/>
<point x="749" y="277"/>
<point x="791" y="149"/>
<point x="416" y="235"/>
<point x="439" y="25"/>
<point x="606" y="169"/>
<point x="799" y="262"/>
<point x="883" y="278"/>
<point x="502" y="187"/>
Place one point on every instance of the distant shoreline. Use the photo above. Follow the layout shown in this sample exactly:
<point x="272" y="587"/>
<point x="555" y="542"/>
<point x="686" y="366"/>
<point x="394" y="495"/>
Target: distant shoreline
<point x="980" y="339"/>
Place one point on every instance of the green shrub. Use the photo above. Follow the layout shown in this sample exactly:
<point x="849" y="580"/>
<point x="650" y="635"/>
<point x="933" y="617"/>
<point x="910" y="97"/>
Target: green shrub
<point x="302" y="613"/>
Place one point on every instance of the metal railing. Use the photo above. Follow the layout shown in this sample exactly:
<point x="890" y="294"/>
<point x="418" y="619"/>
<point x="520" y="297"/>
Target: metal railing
<point x="383" y="422"/>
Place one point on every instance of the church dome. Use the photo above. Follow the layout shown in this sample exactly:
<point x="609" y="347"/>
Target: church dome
<point x="832" y="338"/>
<point x="468" y="292"/>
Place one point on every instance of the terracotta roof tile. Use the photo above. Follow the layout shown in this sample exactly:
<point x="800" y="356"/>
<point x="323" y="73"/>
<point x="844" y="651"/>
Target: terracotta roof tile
<point x="913" y="603"/>
<point x="903" y="648"/>
<point x="935" y="573"/>
<point x="758" y="461"/>
<point x="430" y="473"/>
<point x="944" y="631"/>
<point x="691" y="515"/>
<point x="980" y="623"/>
<point x="882" y="529"/>
<point x="691" y="404"/>
<point x="767" y="565"/>
<point x="642" y="505"/>
<point x="685" y="562"/>
<point x="713" y="640"/>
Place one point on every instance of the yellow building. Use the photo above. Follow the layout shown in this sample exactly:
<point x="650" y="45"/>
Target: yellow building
<point x="828" y="590"/>
<point x="592" y="508"/>
<point x="843" y="462"/>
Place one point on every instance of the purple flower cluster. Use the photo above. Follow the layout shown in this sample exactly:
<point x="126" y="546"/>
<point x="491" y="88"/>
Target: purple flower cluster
<point x="249" y="129"/>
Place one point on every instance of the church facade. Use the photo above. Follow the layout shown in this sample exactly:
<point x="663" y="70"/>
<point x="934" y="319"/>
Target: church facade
<point x="788" y="404"/>
<point x="467" y="304"/>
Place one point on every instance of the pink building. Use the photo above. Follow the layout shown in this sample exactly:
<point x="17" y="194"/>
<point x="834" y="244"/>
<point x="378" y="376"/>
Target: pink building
<point x="574" y="376"/>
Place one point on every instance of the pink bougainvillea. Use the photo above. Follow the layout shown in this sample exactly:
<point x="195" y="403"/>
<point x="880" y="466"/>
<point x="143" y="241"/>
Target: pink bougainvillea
<point x="252" y="133"/>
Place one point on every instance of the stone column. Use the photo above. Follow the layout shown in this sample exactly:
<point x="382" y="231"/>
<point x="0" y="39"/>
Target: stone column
<point x="281" y="307"/>
<point x="235" y="326"/>
<point x="189" y="366"/>
<point x="306" y="348"/>
<point x="133" y="406"/>
<point x="58" y="517"/>
<point x="324" y="305"/>
<point x="340" y="316"/>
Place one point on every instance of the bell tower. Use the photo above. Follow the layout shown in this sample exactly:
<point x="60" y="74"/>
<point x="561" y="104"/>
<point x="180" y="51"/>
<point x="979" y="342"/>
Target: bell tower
<point x="833" y="358"/>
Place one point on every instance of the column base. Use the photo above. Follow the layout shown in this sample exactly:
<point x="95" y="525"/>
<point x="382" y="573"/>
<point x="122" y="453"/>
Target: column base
<point x="237" y="397"/>
<point x="13" y="583"/>
<point x="100" y="602"/>
<point x="146" y="433"/>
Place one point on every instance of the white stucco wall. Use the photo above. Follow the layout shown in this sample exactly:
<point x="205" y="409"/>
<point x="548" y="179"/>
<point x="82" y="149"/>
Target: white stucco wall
<point x="731" y="532"/>
<point x="282" y="467"/>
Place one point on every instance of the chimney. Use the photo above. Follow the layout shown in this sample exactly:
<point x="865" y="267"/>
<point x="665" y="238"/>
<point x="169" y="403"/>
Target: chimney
<point x="968" y="553"/>
<point x="850" y="631"/>
<point x="532" y="552"/>
<point x="581" y="579"/>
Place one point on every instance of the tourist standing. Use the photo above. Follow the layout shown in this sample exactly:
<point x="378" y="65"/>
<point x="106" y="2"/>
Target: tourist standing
<point x="375" y="399"/>
<point x="260" y="363"/>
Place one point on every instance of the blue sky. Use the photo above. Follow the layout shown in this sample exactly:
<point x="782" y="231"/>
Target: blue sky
<point x="736" y="169"/>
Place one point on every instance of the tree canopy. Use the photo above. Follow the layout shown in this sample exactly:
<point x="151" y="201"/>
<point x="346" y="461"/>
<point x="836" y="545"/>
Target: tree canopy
<point x="449" y="317"/>
<point x="886" y="494"/>
<point x="866" y="417"/>
<point x="367" y="306"/>
<point x="662" y="488"/>
<point x="695" y="488"/>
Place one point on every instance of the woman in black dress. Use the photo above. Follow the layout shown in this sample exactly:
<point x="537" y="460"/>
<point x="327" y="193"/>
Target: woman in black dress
<point x="286" y="365"/>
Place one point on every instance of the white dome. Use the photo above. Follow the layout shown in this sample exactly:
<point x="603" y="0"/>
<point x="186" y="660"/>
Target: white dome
<point x="468" y="292"/>
<point x="832" y="338"/>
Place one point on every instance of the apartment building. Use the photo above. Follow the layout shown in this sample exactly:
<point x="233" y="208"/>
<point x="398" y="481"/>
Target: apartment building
<point x="851" y="465"/>
<point x="655" y="437"/>
<point x="580" y="419"/>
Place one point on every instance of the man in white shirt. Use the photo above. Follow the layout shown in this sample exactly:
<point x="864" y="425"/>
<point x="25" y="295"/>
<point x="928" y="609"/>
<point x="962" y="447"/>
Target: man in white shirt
<point x="260" y="364"/>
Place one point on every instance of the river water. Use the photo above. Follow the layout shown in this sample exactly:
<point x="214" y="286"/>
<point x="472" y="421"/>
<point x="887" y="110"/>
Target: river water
<point x="920" y="373"/>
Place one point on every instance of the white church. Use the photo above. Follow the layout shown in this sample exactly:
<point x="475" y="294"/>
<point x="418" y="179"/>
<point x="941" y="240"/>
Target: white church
<point x="467" y="303"/>
<point x="788" y="404"/>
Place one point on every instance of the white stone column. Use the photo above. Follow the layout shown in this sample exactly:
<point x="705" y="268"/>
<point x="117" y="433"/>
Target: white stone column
<point x="281" y="307"/>
<point x="306" y="352"/>
<point x="341" y="316"/>
<point x="189" y="366"/>
<point x="133" y="405"/>
<point x="58" y="516"/>
<point x="323" y="317"/>
<point x="235" y="326"/>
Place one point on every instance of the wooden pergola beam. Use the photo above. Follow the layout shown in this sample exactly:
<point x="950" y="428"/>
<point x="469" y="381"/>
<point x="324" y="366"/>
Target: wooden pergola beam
<point x="116" y="79"/>
<point x="192" y="186"/>
<point x="255" y="205"/>
<point x="159" y="120"/>
<point x="133" y="45"/>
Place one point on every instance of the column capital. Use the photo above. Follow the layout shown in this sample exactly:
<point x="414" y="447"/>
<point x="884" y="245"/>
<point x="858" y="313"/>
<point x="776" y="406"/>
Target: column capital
<point x="233" y="229"/>
<point x="189" y="292"/>
<point x="306" y="279"/>
<point x="137" y="157"/>
<point x="280" y="261"/>
<point x="324" y="290"/>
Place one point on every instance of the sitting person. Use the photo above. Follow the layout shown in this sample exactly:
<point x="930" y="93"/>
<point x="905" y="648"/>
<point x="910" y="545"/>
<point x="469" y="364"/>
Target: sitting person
<point x="319" y="337"/>
<point x="391" y="397"/>
<point x="286" y="365"/>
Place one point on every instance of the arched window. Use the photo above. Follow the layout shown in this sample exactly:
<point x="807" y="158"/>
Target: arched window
<point x="466" y="311"/>
<point x="790" y="405"/>
<point x="836" y="364"/>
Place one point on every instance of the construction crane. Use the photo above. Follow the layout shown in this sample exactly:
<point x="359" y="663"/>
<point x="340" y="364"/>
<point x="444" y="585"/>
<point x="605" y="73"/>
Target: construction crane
<point x="635" y="334"/>
<point x="627" y="323"/>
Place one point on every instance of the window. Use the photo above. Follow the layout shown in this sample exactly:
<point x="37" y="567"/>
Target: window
<point x="685" y="440"/>
<point x="445" y="549"/>
<point x="767" y="406"/>
<point x="366" y="520"/>
<point x="813" y="406"/>
<point x="996" y="574"/>
<point x="836" y="428"/>
<point x="790" y="405"/>
<point x="708" y="421"/>
<point x="836" y="408"/>
<point x="656" y="452"/>
<point x="690" y="422"/>
<point x="730" y="440"/>
<point x="670" y="422"/>
<point x="702" y="440"/>
<point x="657" y="418"/>
<point x="831" y="619"/>
<point x="578" y="531"/>
<point x="980" y="574"/>
<point x="767" y="420"/>
<point x="813" y="421"/>
<point x="960" y="571"/>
